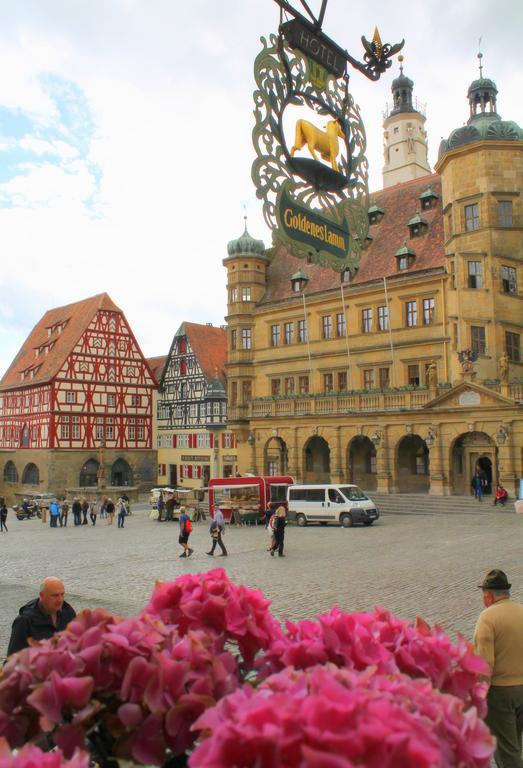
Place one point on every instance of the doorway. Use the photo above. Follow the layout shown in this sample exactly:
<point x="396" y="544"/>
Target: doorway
<point x="173" y="475"/>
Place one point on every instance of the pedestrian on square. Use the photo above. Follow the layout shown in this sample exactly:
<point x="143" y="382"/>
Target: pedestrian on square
<point x="160" y="506"/>
<point x="185" y="532"/>
<point x="498" y="639"/>
<point x="103" y="505"/>
<point x="3" y="515"/>
<point x="109" y="508"/>
<point x="77" y="511"/>
<point x="271" y="525"/>
<point x="54" y="513"/>
<point x="279" y="531"/>
<point x="41" y="618"/>
<point x="217" y="530"/>
<point x="236" y="517"/>
<point x="268" y="514"/>
<point x="169" y="508"/>
<point x="501" y="496"/>
<point x="477" y="485"/>
<point x="121" y="509"/>
<point x="64" y="513"/>
<point x="85" y="510"/>
<point x="95" y="510"/>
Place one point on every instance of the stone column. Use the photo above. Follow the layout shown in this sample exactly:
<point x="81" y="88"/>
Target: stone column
<point x="251" y="440"/>
<point x="294" y="455"/>
<point x="507" y="474"/>
<point x="383" y="462"/>
<point x="438" y="476"/>
<point x="337" y="473"/>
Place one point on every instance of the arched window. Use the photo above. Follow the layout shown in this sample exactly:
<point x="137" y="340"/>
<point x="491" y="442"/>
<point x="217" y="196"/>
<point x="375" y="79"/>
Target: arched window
<point x="24" y="438"/>
<point x="10" y="473"/>
<point x="31" y="475"/>
<point x="121" y="473"/>
<point x="89" y="474"/>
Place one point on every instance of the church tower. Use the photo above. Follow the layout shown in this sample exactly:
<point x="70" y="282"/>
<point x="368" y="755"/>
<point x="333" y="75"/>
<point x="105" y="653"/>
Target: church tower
<point x="405" y="138"/>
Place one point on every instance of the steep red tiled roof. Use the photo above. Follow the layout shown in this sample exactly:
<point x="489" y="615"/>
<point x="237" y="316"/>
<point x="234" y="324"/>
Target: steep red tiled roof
<point x="209" y="344"/>
<point x="157" y="364"/>
<point x="76" y="317"/>
<point x="400" y="203"/>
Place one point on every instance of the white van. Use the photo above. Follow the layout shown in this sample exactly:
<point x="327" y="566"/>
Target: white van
<point x="329" y="503"/>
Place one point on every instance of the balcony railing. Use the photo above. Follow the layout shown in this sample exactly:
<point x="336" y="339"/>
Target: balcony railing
<point x="342" y="403"/>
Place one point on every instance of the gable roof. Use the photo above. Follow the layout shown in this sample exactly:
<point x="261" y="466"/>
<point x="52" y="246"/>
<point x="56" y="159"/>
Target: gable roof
<point x="399" y="203"/>
<point x="486" y="397"/>
<point x="157" y="364"/>
<point x="209" y="344"/>
<point x="73" y="319"/>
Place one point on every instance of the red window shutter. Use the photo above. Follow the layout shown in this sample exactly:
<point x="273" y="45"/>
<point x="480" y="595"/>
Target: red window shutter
<point x="174" y="441"/>
<point x="194" y="440"/>
<point x="199" y="470"/>
<point x="190" y="441"/>
<point x="189" y="470"/>
<point x="223" y="439"/>
<point x="233" y="441"/>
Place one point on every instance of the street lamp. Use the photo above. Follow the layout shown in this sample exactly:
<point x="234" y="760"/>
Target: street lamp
<point x="430" y="438"/>
<point x="501" y="434"/>
<point x="251" y="439"/>
<point x="375" y="438"/>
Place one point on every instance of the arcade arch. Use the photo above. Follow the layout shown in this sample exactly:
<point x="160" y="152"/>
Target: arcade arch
<point x="469" y="451"/>
<point x="361" y="463"/>
<point x="276" y="457"/>
<point x="412" y="465"/>
<point x="316" y="455"/>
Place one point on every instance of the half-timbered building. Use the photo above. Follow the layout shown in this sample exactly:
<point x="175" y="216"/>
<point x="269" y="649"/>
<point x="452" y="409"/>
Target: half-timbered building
<point x="192" y="438"/>
<point x="78" y="394"/>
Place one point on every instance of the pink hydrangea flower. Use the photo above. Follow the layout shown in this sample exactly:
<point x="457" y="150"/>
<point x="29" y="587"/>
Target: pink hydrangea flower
<point x="327" y="717"/>
<point x="32" y="757"/>
<point x="210" y="601"/>
<point x="379" y="639"/>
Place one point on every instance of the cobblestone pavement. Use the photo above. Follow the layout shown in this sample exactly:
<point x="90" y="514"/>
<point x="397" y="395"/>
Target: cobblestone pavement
<point x="413" y="564"/>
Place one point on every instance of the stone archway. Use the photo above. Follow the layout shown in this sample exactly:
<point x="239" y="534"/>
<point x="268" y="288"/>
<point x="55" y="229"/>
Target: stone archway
<point x="316" y="461"/>
<point x="412" y="465"/>
<point x="361" y="463"/>
<point x="89" y="474"/>
<point x="275" y="460"/>
<point x="469" y="451"/>
<point x="121" y="473"/>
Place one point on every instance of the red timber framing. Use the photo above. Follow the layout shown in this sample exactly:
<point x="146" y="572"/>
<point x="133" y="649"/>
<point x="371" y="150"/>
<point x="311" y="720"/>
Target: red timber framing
<point x="25" y="418"/>
<point x="102" y="391"/>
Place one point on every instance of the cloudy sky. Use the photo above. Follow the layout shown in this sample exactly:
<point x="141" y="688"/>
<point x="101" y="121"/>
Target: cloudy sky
<point x="125" y="139"/>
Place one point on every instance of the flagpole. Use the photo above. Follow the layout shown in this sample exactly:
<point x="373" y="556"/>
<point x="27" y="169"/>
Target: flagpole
<point x="308" y="342"/>
<point x="390" y="331"/>
<point x="349" y="381"/>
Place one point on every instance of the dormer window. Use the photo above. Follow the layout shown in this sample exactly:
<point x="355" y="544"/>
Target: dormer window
<point x="417" y="226"/>
<point x="375" y="214"/>
<point x="299" y="281"/>
<point x="428" y="199"/>
<point x="405" y="257"/>
<point x="346" y="275"/>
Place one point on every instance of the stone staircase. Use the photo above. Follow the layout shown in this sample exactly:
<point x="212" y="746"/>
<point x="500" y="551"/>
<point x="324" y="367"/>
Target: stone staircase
<point x="424" y="504"/>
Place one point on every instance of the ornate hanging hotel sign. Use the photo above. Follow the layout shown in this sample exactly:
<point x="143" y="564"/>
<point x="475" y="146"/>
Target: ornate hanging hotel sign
<point x="317" y="205"/>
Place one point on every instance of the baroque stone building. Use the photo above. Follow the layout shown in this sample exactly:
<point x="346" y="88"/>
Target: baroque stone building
<point x="76" y="406"/>
<point x="408" y="375"/>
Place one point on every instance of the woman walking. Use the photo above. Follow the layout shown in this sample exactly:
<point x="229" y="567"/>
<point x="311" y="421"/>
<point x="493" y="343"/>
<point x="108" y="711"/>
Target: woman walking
<point x="185" y="532"/>
<point x="3" y="515"/>
<point x="279" y="532"/>
<point x="122" y="512"/>
<point x="217" y="530"/>
<point x="109" y="508"/>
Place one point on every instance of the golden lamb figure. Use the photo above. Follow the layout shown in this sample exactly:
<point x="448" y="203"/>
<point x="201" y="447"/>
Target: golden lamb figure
<point x="326" y="142"/>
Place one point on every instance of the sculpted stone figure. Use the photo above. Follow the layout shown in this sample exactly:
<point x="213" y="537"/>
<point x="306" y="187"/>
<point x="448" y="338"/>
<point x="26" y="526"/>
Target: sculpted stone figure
<point x="432" y="375"/>
<point x="503" y="368"/>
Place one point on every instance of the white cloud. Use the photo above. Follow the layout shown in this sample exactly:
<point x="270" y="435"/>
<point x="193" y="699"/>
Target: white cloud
<point x="169" y="90"/>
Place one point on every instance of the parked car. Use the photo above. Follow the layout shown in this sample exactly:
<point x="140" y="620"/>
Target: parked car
<point x="344" y="504"/>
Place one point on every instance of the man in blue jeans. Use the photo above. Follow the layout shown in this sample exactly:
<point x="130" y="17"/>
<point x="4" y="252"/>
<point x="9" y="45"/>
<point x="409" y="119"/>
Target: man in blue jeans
<point x="477" y="485"/>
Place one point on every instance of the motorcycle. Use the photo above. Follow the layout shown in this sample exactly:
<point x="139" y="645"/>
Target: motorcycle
<point x="32" y="510"/>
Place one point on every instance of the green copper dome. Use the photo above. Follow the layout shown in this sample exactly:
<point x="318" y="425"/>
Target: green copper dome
<point x="246" y="246"/>
<point x="484" y="123"/>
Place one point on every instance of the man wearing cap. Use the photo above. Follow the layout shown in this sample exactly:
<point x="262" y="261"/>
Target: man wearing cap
<point x="498" y="639"/>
